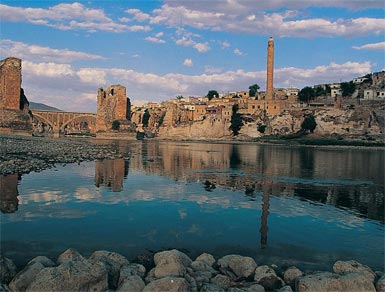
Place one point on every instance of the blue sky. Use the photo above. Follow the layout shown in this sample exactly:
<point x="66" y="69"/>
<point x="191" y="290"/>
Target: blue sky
<point x="161" y="49"/>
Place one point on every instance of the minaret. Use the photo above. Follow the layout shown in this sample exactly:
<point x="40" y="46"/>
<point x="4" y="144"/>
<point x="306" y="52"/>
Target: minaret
<point x="270" y="69"/>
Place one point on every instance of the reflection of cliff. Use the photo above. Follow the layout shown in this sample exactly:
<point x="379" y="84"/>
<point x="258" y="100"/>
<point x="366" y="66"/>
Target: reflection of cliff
<point x="110" y="173"/>
<point x="8" y="193"/>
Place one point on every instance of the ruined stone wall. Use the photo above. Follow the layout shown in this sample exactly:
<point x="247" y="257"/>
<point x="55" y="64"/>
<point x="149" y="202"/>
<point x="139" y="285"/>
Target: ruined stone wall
<point x="10" y="83"/>
<point x="112" y="105"/>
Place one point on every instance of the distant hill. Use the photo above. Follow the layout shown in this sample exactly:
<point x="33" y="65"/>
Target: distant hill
<point x="42" y="107"/>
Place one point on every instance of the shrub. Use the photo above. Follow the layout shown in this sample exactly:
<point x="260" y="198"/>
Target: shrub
<point x="115" y="125"/>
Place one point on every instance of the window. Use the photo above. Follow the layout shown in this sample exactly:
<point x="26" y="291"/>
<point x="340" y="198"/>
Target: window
<point x="253" y="106"/>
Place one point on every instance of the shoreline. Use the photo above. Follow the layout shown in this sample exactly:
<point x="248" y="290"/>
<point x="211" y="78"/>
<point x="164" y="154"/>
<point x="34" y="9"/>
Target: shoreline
<point x="21" y="154"/>
<point x="173" y="270"/>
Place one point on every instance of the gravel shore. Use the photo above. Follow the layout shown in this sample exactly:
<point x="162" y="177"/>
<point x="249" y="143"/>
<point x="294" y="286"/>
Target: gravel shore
<point x="25" y="154"/>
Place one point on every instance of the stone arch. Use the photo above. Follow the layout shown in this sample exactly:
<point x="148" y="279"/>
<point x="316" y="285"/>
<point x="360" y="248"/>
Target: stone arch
<point x="43" y="119"/>
<point x="90" y="119"/>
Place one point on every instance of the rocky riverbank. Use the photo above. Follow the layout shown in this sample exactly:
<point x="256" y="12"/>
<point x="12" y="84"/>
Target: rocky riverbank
<point x="173" y="270"/>
<point x="25" y="154"/>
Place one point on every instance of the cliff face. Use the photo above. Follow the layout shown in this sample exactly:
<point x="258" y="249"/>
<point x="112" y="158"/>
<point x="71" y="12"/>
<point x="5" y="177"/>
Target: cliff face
<point x="210" y="128"/>
<point x="330" y="121"/>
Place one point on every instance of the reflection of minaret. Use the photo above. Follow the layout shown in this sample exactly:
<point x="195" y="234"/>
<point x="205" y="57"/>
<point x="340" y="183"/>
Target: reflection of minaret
<point x="8" y="193"/>
<point x="110" y="173"/>
<point x="265" y="212"/>
<point x="270" y="70"/>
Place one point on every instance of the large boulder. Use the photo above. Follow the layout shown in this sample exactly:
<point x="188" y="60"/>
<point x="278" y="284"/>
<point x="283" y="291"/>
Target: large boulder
<point x="343" y="267"/>
<point x="325" y="281"/>
<point x="113" y="262"/>
<point x="201" y="266"/>
<point x="211" y="288"/>
<point x="286" y="288"/>
<point x="221" y="281"/>
<point x="131" y="284"/>
<point x="319" y="282"/>
<point x="206" y="258"/>
<point x="7" y="270"/>
<point x="240" y="265"/>
<point x="380" y="285"/>
<point x="169" y="284"/>
<point x="131" y="270"/>
<point x="291" y="274"/>
<point x="70" y="255"/>
<point x="77" y="275"/>
<point x="24" y="278"/>
<point x="266" y="276"/>
<point x="255" y="288"/>
<point x="171" y="263"/>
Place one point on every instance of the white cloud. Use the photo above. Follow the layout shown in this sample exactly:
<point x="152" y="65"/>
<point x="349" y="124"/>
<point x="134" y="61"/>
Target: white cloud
<point x="159" y="34"/>
<point x="138" y="15"/>
<point x="70" y="89"/>
<point x="374" y="47"/>
<point x="34" y="52"/>
<point x="217" y="16"/>
<point x="67" y="16"/>
<point x="210" y="69"/>
<point x="154" y="40"/>
<point x="238" y="52"/>
<point x="225" y="45"/>
<point x="135" y="56"/>
<point x="188" y="62"/>
<point x="186" y="39"/>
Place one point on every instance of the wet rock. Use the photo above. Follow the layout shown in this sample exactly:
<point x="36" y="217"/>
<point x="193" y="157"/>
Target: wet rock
<point x="201" y="266"/>
<point x="266" y="276"/>
<point x="170" y="284"/>
<point x="202" y="277"/>
<point x="7" y="270"/>
<point x="70" y="255"/>
<point x="171" y="263"/>
<point x="291" y="274"/>
<point x="221" y="281"/>
<point x="131" y="284"/>
<point x="206" y="258"/>
<point x="77" y="275"/>
<point x="255" y="288"/>
<point x="380" y="285"/>
<point x="25" y="277"/>
<point x="113" y="262"/>
<point x="211" y="288"/>
<point x="343" y="267"/>
<point x="192" y="283"/>
<point x="286" y="288"/>
<point x="240" y="265"/>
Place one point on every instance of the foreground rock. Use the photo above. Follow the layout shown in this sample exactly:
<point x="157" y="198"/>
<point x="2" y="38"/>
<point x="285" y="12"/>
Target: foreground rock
<point x="7" y="270"/>
<point x="325" y="281"/>
<point x="175" y="271"/>
<point x="240" y="265"/>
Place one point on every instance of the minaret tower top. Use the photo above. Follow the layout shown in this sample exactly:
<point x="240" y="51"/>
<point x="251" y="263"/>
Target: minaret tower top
<point x="270" y="70"/>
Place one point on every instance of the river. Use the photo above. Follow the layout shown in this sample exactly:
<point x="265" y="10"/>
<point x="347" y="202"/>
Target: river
<point x="302" y="206"/>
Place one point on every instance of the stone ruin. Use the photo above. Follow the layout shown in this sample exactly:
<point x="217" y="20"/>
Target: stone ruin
<point x="14" y="106"/>
<point x="112" y="105"/>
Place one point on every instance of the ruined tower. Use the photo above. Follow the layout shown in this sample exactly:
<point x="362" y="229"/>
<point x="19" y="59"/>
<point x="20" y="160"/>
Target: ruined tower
<point x="10" y="83"/>
<point x="113" y="104"/>
<point x="270" y="70"/>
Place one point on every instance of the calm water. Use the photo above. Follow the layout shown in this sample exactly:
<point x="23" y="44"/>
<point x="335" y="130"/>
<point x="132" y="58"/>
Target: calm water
<point x="285" y="205"/>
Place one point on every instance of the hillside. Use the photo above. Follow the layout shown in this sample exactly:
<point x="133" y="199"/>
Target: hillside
<point x="42" y="107"/>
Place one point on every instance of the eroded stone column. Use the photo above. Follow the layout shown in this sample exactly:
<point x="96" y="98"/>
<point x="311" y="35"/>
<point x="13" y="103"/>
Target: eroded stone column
<point x="270" y="70"/>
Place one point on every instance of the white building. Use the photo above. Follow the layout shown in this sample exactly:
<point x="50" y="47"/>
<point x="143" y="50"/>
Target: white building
<point x="335" y="92"/>
<point x="359" y="80"/>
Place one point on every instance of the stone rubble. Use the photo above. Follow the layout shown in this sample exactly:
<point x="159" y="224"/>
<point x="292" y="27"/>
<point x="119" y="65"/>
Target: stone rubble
<point x="175" y="271"/>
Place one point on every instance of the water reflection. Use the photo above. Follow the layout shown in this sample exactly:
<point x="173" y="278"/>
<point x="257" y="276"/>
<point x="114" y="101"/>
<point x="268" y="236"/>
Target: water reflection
<point x="110" y="173"/>
<point x="9" y="202"/>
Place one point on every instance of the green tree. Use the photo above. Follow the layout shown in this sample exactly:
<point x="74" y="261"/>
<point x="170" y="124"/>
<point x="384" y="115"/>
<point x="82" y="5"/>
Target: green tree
<point x="115" y="125"/>
<point x="236" y="120"/>
<point x="309" y="124"/>
<point x="253" y="89"/>
<point x="306" y="94"/>
<point x="145" y="118"/>
<point x="211" y="94"/>
<point x="348" y="88"/>
<point x="179" y="97"/>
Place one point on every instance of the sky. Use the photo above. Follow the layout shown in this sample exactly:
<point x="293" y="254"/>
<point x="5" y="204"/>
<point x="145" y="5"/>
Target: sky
<point x="159" y="49"/>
